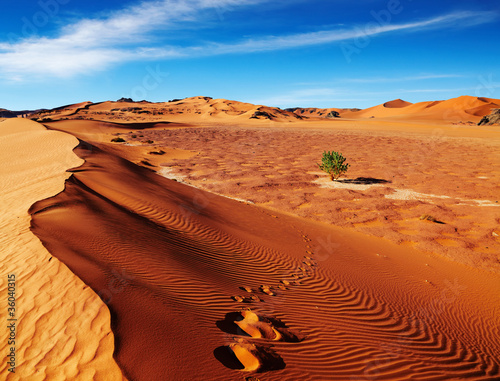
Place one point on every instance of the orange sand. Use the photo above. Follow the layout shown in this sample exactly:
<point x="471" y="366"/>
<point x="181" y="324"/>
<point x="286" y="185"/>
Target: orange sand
<point x="401" y="172"/>
<point x="344" y="306"/>
<point x="63" y="329"/>
<point x="200" y="286"/>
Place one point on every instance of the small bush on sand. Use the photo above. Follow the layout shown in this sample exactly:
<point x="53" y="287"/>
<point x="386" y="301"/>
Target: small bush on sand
<point x="333" y="164"/>
<point x="427" y="217"/>
<point x="117" y="140"/>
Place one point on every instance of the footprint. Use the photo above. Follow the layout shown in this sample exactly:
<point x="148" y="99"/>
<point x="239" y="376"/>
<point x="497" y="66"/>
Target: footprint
<point x="246" y="299"/>
<point x="248" y="323"/>
<point x="247" y="357"/>
<point x="309" y="261"/>
<point x="253" y="326"/>
<point x="306" y="238"/>
<point x="267" y="290"/>
<point x="241" y="299"/>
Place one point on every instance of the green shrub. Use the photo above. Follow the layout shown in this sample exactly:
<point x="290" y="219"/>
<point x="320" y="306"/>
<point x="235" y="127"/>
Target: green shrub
<point x="117" y="140"/>
<point x="333" y="164"/>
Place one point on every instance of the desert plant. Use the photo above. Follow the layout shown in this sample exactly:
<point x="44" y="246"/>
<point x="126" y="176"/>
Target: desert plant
<point x="117" y="140"/>
<point x="333" y="164"/>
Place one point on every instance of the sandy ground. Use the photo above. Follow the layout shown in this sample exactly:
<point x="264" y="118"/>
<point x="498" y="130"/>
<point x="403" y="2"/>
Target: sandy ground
<point x="62" y="329"/>
<point x="212" y="288"/>
<point x="396" y="177"/>
<point x="293" y="287"/>
<point x="302" y="279"/>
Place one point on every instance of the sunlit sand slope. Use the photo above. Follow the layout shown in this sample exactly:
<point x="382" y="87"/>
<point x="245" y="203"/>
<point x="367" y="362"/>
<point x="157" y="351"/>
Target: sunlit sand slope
<point x="62" y="327"/>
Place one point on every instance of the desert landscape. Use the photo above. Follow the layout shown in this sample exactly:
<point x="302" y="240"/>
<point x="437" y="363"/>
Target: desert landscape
<point x="198" y="239"/>
<point x="249" y="190"/>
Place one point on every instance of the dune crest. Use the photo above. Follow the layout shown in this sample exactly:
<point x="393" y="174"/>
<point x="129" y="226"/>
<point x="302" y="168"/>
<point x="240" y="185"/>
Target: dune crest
<point x="397" y="103"/>
<point x="63" y="328"/>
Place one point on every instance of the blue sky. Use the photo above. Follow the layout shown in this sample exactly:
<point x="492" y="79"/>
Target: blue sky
<point x="336" y="53"/>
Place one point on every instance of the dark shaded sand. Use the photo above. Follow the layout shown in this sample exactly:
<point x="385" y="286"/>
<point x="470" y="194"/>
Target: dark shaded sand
<point x="174" y="264"/>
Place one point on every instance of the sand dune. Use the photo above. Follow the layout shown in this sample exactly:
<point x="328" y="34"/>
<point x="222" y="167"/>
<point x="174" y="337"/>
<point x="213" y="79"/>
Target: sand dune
<point x="465" y="109"/>
<point x="319" y="113"/>
<point x="461" y="109"/>
<point x="397" y="103"/>
<point x="182" y="111"/>
<point x="63" y="329"/>
<point x="203" y="287"/>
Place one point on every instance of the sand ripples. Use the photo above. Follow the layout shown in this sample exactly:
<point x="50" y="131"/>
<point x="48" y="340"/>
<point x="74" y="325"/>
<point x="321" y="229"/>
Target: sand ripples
<point x="209" y="288"/>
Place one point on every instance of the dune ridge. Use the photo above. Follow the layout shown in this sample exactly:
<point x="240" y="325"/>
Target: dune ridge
<point x="455" y="110"/>
<point x="63" y="328"/>
<point x="464" y="109"/>
<point x="188" y="259"/>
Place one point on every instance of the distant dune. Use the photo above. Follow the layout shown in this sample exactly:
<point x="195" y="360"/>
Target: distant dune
<point x="465" y="109"/>
<point x="185" y="110"/>
<point x="458" y="110"/>
<point x="397" y="103"/>
<point x="14" y="114"/>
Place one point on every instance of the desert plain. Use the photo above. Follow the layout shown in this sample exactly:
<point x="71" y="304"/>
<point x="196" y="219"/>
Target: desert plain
<point x="197" y="239"/>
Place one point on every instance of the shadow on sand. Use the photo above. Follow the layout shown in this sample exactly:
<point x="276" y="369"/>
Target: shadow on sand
<point x="364" y="181"/>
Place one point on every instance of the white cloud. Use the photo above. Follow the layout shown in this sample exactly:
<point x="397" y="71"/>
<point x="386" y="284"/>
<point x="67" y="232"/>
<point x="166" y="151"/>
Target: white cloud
<point x="95" y="44"/>
<point x="127" y="35"/>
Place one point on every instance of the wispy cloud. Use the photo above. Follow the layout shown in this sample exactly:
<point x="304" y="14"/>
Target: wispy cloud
<point x="381" y="80"/>
<point x="453" y="90"/>
<point x="130" y="35"/>
<point x="331" y="96"/>
<point x="308" y="97"/>
<point x="401" y="79"/>
<point x="95" y="44"/>
<point x="338" y="35"/>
